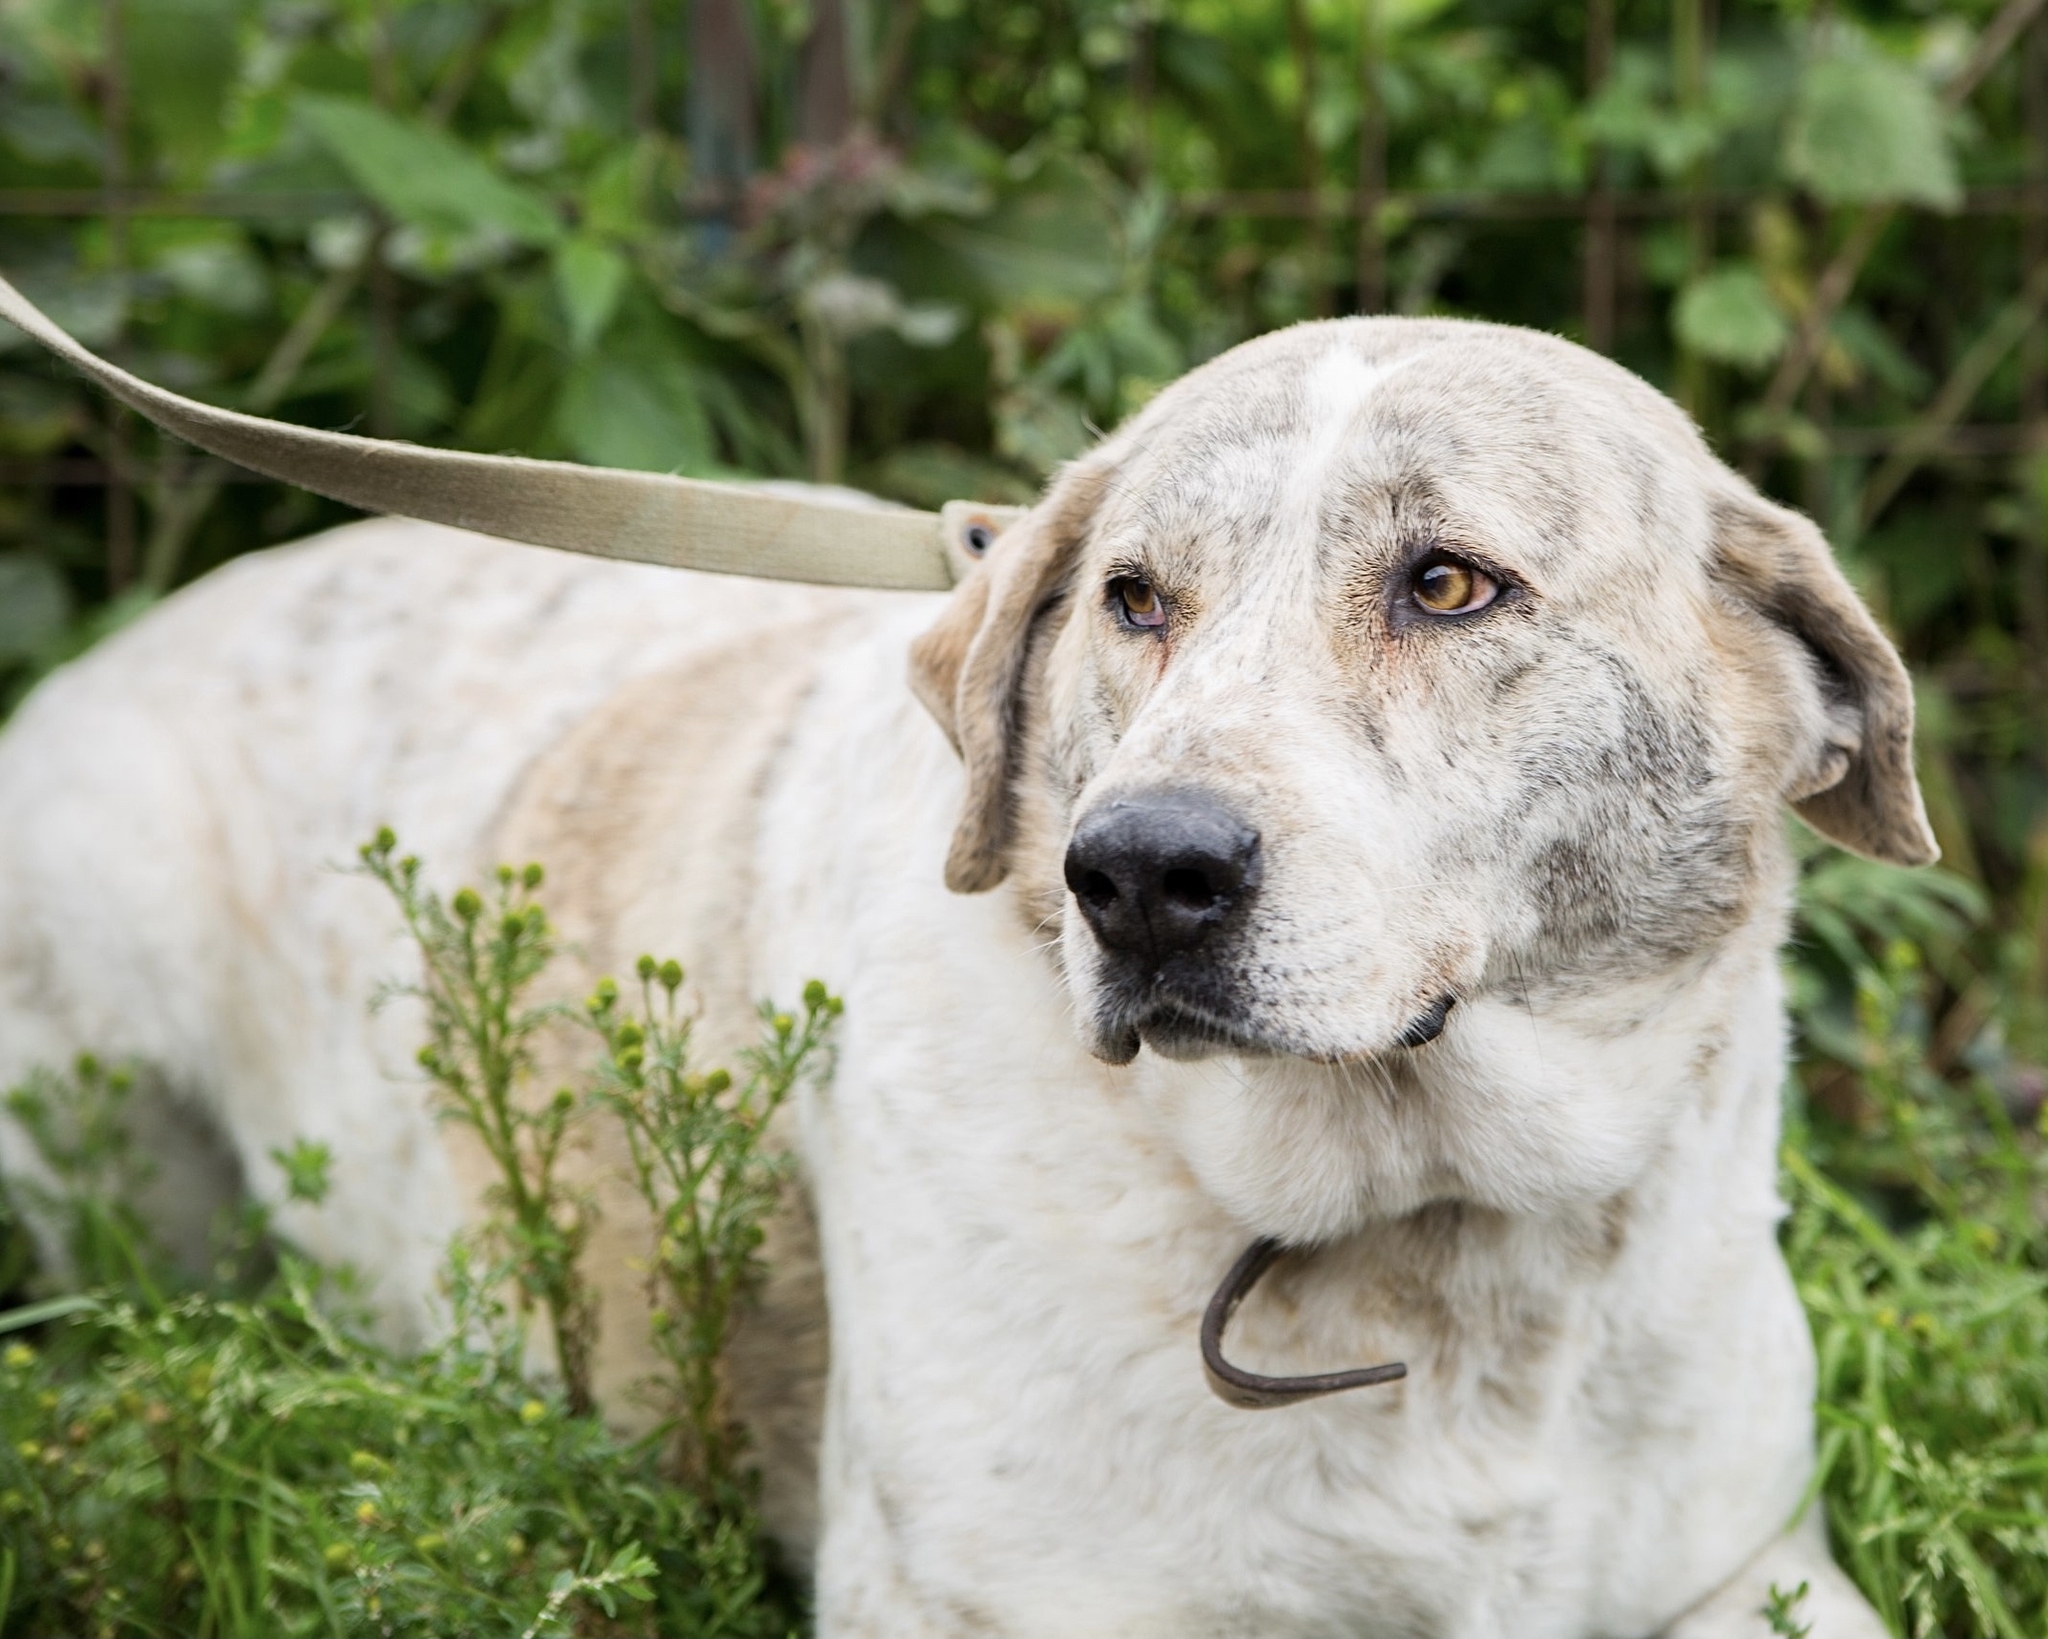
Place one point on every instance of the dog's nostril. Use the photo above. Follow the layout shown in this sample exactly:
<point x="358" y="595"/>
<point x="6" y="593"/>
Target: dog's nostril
<point x="1158" y="872"/>
<point x="1096" y="888"/>
<point x="1190" y="888"/>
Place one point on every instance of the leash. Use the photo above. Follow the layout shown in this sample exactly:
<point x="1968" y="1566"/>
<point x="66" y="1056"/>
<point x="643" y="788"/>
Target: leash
<point x="1249" y="1391"/>
<point x="607" y="512"/>
<point x="643" y="517"/>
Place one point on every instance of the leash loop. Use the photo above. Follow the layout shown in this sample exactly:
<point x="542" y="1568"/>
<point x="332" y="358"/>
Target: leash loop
<point x="1250" y="1391"/>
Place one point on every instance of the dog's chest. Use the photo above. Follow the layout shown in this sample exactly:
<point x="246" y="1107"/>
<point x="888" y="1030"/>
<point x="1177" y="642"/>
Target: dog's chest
<point x="1020" y="1440"/>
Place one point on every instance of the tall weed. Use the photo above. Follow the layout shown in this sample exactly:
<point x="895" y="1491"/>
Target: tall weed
<point x="1917" y="1238"/>
<point x="479" y="959"/>
<point x="709" y="1184"/>
<point x="241" y="1460"/>
<point x="245" y="1461"/>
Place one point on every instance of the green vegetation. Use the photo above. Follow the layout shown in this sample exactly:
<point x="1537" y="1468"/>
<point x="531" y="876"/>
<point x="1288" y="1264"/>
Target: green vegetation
<point x="927" y="246"/>
<point x="233" y="1456"/>
<point x="478" y="960"/>
<point x="708" y="1185"/>
<point x="1920" y="1244"/>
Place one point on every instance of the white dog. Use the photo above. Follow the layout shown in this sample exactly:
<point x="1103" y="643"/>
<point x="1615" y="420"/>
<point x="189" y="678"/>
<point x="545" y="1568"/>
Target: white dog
<point x="1380" y="748"/>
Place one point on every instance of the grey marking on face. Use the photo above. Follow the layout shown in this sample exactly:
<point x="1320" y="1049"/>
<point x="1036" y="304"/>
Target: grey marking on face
<point x="1651" y="859"/>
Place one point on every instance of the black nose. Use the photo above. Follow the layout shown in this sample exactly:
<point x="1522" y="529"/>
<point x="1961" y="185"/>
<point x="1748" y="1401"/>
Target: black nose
<point x="1154" y="873"/>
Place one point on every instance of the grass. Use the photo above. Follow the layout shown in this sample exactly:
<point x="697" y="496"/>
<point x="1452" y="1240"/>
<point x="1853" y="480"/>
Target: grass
<point x="237" y="1458"/>
<point x="1920" y="1252"/>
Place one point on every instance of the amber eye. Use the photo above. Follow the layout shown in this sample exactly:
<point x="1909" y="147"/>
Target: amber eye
<point x="1450" y="586"/>
<point x="1141" y="605"/>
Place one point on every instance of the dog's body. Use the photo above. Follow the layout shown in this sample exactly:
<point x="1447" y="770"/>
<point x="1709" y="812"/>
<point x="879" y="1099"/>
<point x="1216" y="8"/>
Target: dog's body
<point x="1559" y="814"/>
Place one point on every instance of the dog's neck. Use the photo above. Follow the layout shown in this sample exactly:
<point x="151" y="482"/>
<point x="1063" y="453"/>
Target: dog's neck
<point x="1547" y="1104"/>
<point x="1467" y="1214"/>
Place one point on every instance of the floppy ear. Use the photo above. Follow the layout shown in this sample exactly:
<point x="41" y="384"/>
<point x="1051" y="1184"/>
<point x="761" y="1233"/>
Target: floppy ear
<point x="968" y="668"/>
<point x="1853" y="778"/>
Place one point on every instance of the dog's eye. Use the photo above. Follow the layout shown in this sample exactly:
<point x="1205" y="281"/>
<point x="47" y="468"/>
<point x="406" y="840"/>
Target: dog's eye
<point x="1445" y="585"/>
<point x="1140" y="603"/>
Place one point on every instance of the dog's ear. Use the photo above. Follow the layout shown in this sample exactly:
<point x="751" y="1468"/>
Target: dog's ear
<point x="968" y="668"/>
<point x="1852" y="774"/>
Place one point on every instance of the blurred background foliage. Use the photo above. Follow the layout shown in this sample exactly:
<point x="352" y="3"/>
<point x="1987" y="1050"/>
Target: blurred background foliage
<point x="932" y="247"/>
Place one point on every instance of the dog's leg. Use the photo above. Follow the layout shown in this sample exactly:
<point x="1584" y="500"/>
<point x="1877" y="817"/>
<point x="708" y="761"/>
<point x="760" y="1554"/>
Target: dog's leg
<point x="865" y="1589"/>
<point x="1831" y="1609"/>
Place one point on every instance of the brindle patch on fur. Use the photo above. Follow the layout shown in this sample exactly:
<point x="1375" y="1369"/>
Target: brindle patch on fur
<point x="1650" y="859"/>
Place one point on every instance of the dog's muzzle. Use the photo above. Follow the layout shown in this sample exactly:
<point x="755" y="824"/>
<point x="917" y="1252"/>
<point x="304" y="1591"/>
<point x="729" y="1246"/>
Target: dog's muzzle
<point x="1163" y="878"/>
<point x="1158" y="873"/>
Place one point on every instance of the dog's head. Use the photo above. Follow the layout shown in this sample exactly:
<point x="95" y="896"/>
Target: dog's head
<point x="1382" y="666"/>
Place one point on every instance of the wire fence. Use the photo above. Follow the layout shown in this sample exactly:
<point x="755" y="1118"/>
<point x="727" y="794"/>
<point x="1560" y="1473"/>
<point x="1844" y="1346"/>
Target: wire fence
<point x="1369" y="210"/>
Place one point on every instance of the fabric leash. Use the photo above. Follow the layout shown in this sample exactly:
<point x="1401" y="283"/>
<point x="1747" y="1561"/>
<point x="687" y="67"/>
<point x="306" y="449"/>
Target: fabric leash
<point x="1251" y="1391"/>
<point x="683" y="523"/>
<point x="645" y="517"/>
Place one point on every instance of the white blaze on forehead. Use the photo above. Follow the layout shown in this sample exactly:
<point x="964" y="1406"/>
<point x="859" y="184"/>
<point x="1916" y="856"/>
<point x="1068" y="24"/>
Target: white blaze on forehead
<point x="1339" y="385"/>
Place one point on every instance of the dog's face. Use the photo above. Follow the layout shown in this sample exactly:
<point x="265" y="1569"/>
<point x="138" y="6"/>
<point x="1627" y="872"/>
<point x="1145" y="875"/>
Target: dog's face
<point x="1384" y="667"/>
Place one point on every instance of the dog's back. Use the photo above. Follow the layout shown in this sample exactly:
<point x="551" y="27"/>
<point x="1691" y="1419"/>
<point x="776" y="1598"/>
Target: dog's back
<point x="181" y="804"/>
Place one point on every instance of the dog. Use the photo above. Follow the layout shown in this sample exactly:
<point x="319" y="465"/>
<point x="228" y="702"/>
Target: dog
<point x="1345" y="812"/>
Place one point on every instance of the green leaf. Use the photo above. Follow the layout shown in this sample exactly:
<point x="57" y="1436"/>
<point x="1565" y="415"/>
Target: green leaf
<point x="1868" y="130"/>
<point x="217" y="270"/>
<point x="423" y="177"/>
<point x="1039" y="427"/>
<point x="1728" y="315"/>
<point x="1051" y="240"/>
<point x="41" y="1314"/>
<point x="185" y="57"/>
<point x="92" y="306"/>
<point x="35" y="604"/>
<point x="636" y="403"/>
<point x="589" y="278"/>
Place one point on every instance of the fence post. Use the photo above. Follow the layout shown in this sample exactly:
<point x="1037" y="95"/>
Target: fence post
<point x="1143" y="36"/>
<point x="121" y="536"/>
<point x="644" y="67"/>
<point x="1600" y="247"/>
<point x="1691" y="31"/>
<point x="2034" y="222"/>
<point x="1301" y="41"/>
<point x="724" y="111"/>
<point x="383" y="286"/>
<point x="1372" y="162"/>
<point x="2032" y="580"/>
<point x="825" y="76"/>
